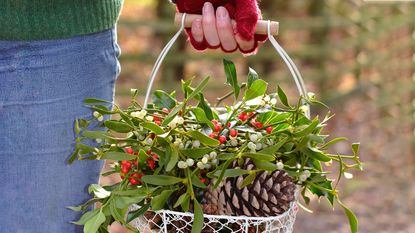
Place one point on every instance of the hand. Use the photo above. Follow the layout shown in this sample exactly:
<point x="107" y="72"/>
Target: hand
<point x="217" y="30"/>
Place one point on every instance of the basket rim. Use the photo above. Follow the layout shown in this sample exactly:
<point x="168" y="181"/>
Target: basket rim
<point x="293" y="205"/>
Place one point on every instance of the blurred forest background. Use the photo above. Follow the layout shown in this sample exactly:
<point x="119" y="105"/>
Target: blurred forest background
<point x="357" y="56"/>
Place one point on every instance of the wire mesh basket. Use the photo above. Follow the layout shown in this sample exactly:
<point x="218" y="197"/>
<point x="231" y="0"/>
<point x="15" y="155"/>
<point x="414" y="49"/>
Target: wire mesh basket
<point x="167" y="221"/>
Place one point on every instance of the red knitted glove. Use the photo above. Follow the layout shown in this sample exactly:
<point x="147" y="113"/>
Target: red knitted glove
<point x="245" y="12"/>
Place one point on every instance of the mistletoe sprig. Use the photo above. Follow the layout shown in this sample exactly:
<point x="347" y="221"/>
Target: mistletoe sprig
<point x="168" y="153"/>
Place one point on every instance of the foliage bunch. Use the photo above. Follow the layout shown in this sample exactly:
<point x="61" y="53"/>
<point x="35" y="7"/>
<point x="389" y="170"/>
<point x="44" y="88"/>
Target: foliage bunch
<point x="169" y="152"/>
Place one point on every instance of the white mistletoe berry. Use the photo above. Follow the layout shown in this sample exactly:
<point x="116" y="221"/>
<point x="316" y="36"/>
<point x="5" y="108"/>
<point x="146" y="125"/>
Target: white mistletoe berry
<point x="234" y="142"/>
<point x="96" y="114"/>
<point x="182" y="164"/>
<point x="267" y="98"/>
<point x="149" y="118"/>
<point x="190" y="162"/>
<point x="252" y="146"/>
<point x="205" y="160"/>
<point x="311" y="95"/>
<point x="149" y="141"/>
<point x="280" y="166"/>
<point x="258" y="146"/>
<point x="253" y="137"/>
<point x="200" y="165"/>
<point x="304" y="108"/>
<point x="307" y="173"/>
<point x="273" y="101"/>
<point x="213" y="154"/>
<point x="196" y="144"/>
<point x="98" y="140"/>
<point x="100" y="118"/>
<point x="303" y="177"/>
<point x="180" y="120"/>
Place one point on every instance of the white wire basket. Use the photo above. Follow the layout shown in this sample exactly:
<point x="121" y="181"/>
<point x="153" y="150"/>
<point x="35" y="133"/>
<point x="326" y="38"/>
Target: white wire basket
<point x="166" y="221"/>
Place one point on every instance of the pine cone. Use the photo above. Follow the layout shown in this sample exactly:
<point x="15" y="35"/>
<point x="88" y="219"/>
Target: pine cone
<point x="268" y="195"/>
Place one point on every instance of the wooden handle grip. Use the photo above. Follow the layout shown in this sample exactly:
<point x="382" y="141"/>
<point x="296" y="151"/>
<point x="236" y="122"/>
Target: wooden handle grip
<point x="261" y="28"/>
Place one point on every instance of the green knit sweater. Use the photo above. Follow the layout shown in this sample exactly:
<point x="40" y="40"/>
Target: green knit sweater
<point x="55" y="19"/>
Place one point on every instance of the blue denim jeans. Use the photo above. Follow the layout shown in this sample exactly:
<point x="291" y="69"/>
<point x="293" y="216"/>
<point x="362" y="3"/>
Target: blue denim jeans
<point x="42" y="86"/>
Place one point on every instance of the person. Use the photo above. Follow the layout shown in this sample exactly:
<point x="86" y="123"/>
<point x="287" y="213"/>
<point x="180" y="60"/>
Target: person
<point x="53" y="55"/>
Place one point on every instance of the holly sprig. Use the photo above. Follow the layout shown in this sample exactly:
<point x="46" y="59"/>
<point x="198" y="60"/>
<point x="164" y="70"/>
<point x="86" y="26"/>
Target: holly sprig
<point x="169" y="152"/>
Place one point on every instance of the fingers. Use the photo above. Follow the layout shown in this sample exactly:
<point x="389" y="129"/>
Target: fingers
<point x="225" y="30"/>
<point x="209" y="25"/>
<point x="245" y="45"/>
<point x="197" y="30"/>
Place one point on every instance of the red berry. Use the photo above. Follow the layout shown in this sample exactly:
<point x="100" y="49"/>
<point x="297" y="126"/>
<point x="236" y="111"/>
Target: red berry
<point x="129" y="150"/>
<point x="217" y="128"/>
<point x="203" y="180"/>
<point x="126" y="164"/>
<point x="122" y="177"/>
<point x="136" y="163"/>
<point x="229" y="124"/>
<point x="155" y="156"/>
<point x="165" y="110"/>
<point x="156" y="118"/>
<point x="149" y="152"/>
<point x="269" y="129"/>
<point x="152" y="136"/>
<point x="215" y="122"/>
<point x="212" y="135"/>
<point x="233" y="133"/>
<point x="125" y="170"/>
<point x="222" y="139"/>
<point x="157" y="122"/>
<point x="151" y="164"/>
<point x="251" y="114"/>
<point x="243" y="116"/>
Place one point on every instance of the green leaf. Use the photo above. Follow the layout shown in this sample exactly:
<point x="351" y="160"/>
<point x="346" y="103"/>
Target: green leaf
<point x="163" y="100"/>
<point x="332" y="142"/>
<point x="161" y="180"/>
<point x="259" y="156"/>
<point x="94" y="100"/>
<point x="199" y="88"/>
<point x="222" y="173"/>
<point x="173" y="157"/>
<point x="196" y="182"/>
<point x="231" y="77"/>
<point x="273" y="149"/>
<point x="248" y="180"/>
<point x="232" y="172"/>
<point x="258" y="88"/>
<point x="316" y="154"/>
<point x="85" y="149"/>
<point x="186" y="204"/>
<point x="134" y="93"/>
<point x="198" y="220"/>
<point x="263" y="165"/>
<point x="98" y="191"/>
<point x="158" y="202"/>
<point x="353" y="222"/>
<point x="125" y="201"/>
<point x="252" y="76"/>
<point x="181" y="199"/>
<point x="309" y="129"/>
<point x="118" y="126"/>
<point x="73" y="156"/>
<point x="320" y="190"/>
<point x="86" y="217"/>
<point x="172" y="114"/>
<point x="76" y="127"/>
<point x="113" y="155"/>
<point x="92" y="225"/>
<point x="95" y="134"/>
<point x="195" y="153"/>
<point x="201" y="116"/>
<point x="153" y="128"/>
<point x="283" y="97"/>
<point x="205" y="106"/>
<point x="203" y="138"/>
<point x="137" y="213"/>
<point x="101" y="109"/>
<point x="226" y="156"/>
<point x="186" y="86"/>
<point x="356" y="148"/>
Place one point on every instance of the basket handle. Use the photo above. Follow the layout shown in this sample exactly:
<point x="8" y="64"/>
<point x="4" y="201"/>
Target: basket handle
<point x="269" y="31"/>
